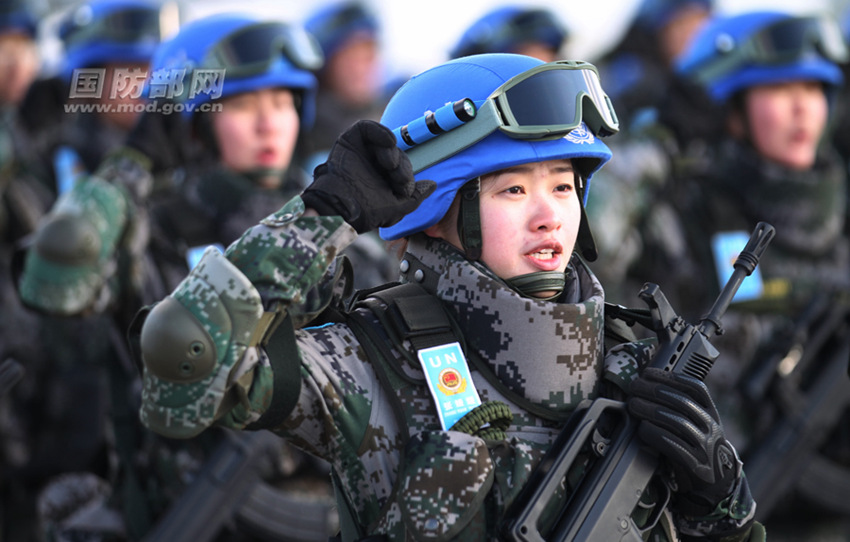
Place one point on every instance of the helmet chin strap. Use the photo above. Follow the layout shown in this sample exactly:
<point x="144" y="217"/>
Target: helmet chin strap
<point x="469" y="219"/>
<point x="469" y="232"/>
<point x="542" y="281"/>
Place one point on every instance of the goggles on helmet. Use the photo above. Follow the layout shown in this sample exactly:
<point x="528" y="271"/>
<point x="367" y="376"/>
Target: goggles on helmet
<point x="778" y="43"/>
<point x="254" y="49"/>
<point x="126" y="26"/>
<point x="546" y="102"/>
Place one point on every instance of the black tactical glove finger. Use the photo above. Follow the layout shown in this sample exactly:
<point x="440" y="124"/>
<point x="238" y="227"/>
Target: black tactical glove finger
<point x="162" y="135"/>
<point x="367" y="180"/>
<point x="680" y="421"/>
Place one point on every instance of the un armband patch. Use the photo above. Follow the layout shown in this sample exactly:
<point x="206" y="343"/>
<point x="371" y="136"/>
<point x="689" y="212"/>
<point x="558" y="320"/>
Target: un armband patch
<point x="449" y="381"/>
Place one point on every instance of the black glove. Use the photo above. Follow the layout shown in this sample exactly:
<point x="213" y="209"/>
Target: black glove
<point x="162" y="137"/>
<point x="367" y="180"/>
<point x="680" y="421"/>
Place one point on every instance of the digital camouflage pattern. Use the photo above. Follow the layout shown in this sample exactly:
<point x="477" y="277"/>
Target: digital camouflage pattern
<point x="230" y="308"/>
<point x="547" y="354"/>
<point x="74" y="255"/>
<point x="65" y="271"/>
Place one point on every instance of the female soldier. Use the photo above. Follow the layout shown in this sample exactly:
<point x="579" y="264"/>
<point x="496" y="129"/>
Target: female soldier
<point x="492" y="275"/>
<point x="775" y="77"/>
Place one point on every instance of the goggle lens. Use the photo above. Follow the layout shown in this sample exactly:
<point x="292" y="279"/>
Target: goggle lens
<point x="555" y="101"/>
<point x="792" y="38"/>
<point x="253" y="49"/>
<point x="128" y="25"/>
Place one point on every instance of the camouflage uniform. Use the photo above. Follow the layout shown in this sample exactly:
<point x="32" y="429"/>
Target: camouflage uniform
<point x="24" y="200"/>
<point x="110" y="245"/>
<point x="809" y="258"/>
<point x="216" y="205"/>
<point x="399" y="475"/>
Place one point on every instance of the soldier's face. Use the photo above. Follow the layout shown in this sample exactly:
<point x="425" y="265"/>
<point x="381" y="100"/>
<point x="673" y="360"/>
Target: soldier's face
<point x="19" y="65"/>
<point x="257" y="130"/>
<point x="353" y="72"/>
<point x="530" y="216"/>
<point x="786" y="121"/>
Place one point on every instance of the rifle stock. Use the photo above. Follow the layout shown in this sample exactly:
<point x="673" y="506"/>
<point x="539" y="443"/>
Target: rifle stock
<point x="601" y="438"/>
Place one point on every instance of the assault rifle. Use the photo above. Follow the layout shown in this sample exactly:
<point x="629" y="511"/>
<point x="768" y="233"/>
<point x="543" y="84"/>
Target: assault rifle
<point x="804" y="384"/>
<point x="600" y="439"/>
<point x="229" y="491"/>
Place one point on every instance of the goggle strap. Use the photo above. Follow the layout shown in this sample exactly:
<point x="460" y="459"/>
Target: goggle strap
<point x="711" y="70"/>
<point x="448" y="144"/>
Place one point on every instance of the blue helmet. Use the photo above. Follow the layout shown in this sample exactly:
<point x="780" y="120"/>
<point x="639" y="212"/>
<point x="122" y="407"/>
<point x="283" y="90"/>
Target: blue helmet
<point x="732" y="53"/>
<point x="505" y="28"/>
<point x="653" y="15"/>
<point x="476" y="77"/>
<point x="248" y="54"/>
<point x="334" y="24"/>
<point x="15" y="16"/>
<point x="102" y="31"/>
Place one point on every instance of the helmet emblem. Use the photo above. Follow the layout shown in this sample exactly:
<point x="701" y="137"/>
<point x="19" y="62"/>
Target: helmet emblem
<point x="581" y="135"/>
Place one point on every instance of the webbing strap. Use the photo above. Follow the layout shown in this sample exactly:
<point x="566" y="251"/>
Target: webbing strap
<point x="284" y="358"/>
<point x="415" y="315"/>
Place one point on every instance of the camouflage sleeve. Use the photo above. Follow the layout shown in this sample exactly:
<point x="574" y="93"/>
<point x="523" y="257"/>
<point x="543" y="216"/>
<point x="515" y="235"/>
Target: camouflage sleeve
<point x="201" y="346"/>
<point x="69" y="267"/>
<point x="731" y="521"/>
<point x="623" y="362"/>
<point x="286" y="254"/>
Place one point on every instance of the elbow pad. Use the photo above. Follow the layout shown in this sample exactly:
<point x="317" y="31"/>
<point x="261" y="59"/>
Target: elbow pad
<point x="191" y="342"/>
<point x="72" y="257"/>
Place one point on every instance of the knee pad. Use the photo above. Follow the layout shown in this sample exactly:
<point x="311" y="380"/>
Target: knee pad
<point x="72" y="257"/>
<point x="191" y="343"/>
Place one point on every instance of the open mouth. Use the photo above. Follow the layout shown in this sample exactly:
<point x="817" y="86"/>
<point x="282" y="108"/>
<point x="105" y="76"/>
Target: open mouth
<point x="544" y="254"/>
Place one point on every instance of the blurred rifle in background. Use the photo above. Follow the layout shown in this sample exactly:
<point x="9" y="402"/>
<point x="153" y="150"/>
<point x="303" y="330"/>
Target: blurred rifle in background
<point x="803" y="381"/>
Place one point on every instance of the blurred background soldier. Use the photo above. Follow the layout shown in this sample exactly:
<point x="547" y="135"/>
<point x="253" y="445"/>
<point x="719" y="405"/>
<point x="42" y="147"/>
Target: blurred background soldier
<point x="209" y="156"/>
<point x="24" y="198"/>
<point x="782" y="370"/>
<point x="638" y="68"/>
<point x="524" y="30"/>
<point x="108" y="45"/>
<point x="352" y="86"/>
<point x="351" y="81"/>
